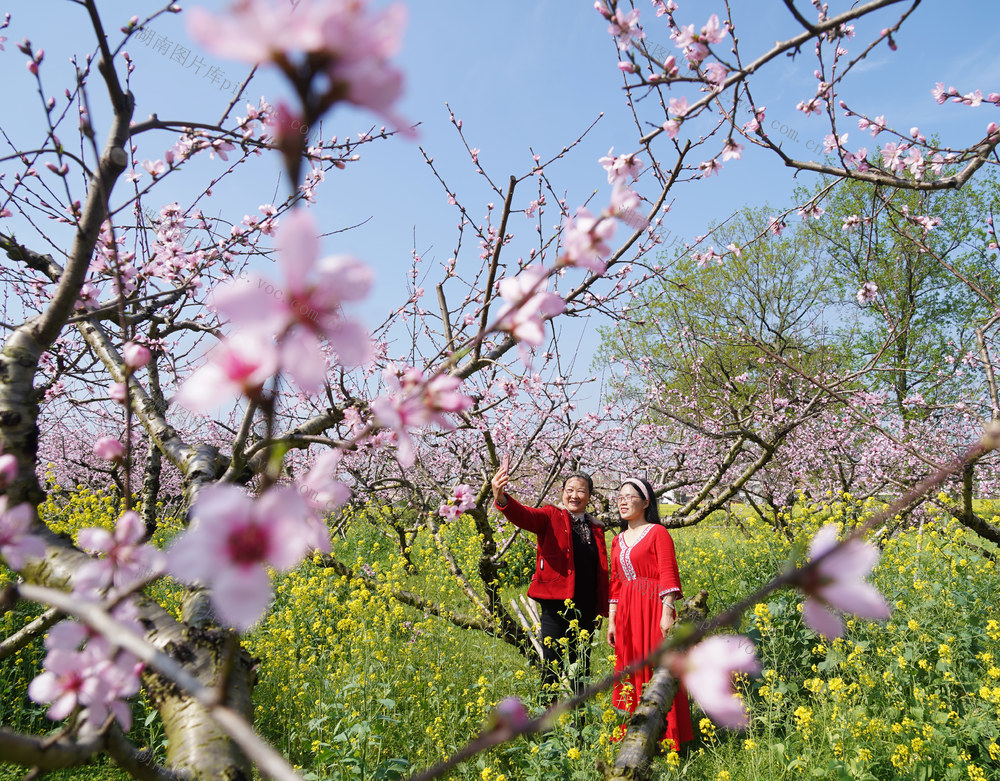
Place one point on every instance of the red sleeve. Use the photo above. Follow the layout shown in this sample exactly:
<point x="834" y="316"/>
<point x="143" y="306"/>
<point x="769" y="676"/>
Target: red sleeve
<point x="616" y="572"/>
<point x="666" y="563"/>
<point x="531" y="519"/>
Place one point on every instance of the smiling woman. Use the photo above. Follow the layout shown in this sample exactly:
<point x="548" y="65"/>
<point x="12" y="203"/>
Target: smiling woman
<point x="571" y="571"/>
<point x="644" y="584"/>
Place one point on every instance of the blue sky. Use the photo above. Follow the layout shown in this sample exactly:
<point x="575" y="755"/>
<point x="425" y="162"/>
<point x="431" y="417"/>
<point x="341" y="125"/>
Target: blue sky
<point x="527" y="76"/>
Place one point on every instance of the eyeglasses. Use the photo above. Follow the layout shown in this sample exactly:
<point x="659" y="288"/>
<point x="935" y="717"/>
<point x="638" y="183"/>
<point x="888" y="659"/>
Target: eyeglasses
<point x="629" y="498"/>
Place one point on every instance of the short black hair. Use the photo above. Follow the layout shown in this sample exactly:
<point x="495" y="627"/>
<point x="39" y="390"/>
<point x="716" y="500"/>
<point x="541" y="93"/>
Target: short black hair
<point x="580" y="475"/>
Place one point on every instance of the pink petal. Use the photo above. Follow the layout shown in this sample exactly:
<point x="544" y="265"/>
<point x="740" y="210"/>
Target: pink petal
<point x="350" y="341"/>
<point x="93" y="576"/>
<point x="123" y="714"/>
<point x="298" y="247"/>
<point x="855" y="560"/>
<point x="95" y="540"/>
<point x="240" y="596"/>
<point x="62" y="707"/>
<point x="709" y="667"/>
<point x="303" y="360"/>
<point x="23" y="547"/>
<point x="345" y="277"/>
<point x="206" y="389"/>
<point x="857" y="597"/>
<point x="820" y="619"/>
<point x="284" y="512"/>
<point x="66" y="636"/>
<point x="249" y="301"/>
<point x="130" y="528"/>
<point x="824" y="540"/>
<point x="45" y="687"/>
<point x="188" y="559"/>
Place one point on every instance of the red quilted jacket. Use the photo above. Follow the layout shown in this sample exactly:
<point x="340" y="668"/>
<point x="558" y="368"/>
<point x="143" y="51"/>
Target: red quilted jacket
<point x="555" y="577"/>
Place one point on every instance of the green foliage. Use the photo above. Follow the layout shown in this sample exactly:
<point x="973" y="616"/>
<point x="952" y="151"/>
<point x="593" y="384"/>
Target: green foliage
<point x="354" y="685"/>
<point x="935" y="286"/>
<point x="704" y="326"/>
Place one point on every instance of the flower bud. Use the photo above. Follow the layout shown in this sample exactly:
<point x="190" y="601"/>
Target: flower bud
<point x="109" y="448"/>
<point x="136" y="355"/>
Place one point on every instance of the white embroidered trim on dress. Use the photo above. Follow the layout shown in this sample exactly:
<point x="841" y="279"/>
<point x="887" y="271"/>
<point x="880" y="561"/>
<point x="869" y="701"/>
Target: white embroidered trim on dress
<point x="625" y="557"/>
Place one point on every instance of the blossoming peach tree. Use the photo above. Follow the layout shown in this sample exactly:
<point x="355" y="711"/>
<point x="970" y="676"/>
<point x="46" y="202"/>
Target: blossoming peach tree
<point x="126" y="332"/>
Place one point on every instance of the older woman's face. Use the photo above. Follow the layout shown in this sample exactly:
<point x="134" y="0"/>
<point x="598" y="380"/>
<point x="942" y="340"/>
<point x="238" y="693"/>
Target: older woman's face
<point x="576" y="495"/>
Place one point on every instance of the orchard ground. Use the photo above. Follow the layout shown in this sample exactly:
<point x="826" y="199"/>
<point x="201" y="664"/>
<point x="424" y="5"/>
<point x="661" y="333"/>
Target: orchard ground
<point x="355" y="685"/>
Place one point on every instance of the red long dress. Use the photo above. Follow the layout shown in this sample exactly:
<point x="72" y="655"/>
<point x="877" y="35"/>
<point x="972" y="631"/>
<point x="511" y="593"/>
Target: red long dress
<point x="640" y="576"/>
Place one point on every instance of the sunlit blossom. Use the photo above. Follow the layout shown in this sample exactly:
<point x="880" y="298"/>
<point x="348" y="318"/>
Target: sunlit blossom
<point x="837" y="583"/>
<point x="707" y="671"/>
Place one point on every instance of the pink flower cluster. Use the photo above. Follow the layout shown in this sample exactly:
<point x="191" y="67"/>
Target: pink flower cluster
<point x="84" y="670"/>
<point x="971" y="99"/>
<point x="462" y="498"/>
<point x="412" y="402"/>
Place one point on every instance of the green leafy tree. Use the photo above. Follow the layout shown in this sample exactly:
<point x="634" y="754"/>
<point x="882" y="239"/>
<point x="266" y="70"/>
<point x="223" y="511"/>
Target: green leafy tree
<point x="918" y="254"/>
<point x="714" y="328"/>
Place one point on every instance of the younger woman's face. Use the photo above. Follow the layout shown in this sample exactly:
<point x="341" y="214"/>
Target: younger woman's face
<point x="631" y="506"/>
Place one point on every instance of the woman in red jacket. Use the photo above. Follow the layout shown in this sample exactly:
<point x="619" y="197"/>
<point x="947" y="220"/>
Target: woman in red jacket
<point x="571" y="563"/>
<point x="644" y="585"/>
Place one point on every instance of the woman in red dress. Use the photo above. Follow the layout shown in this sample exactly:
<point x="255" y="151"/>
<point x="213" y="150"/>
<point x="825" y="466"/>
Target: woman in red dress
<point x="644" y="585"/>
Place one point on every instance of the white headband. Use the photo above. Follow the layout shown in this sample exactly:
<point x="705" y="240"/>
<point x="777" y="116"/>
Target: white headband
<point x="634" y="481"/>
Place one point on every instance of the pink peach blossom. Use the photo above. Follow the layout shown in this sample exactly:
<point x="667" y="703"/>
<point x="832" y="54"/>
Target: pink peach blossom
<point x="239" y="365"/>
<point x="109" y="448"/>
<point x="625" y="28"/>
<point x="342" y="40"/>
<point x="463" y="497"/>
<point x="60" y="685"/>
<point x="731" y="151"/>
<point x="118" y="392"/>
<point x="707" y="671"/>
<point x="837" y="582"/>
<point x="584" y="241"/>
<point x="307" y="308"/>
<point x="715" y="73"/>
<point x="136" y="355"/>
<point x="8" y="468"/>
<point x="413" y="402"/>
<point x="622" y="167"/>
<point x="16" y="541"/>
<point x="89" y="679"/>
<point x="527" y="305"/>
<point x="232" y="540"/>
<point x="125" y="560"/>
<point x="323" y="494"/>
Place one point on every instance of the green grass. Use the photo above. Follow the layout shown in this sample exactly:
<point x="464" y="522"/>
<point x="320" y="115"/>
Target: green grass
<point x="354" y="685"/>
